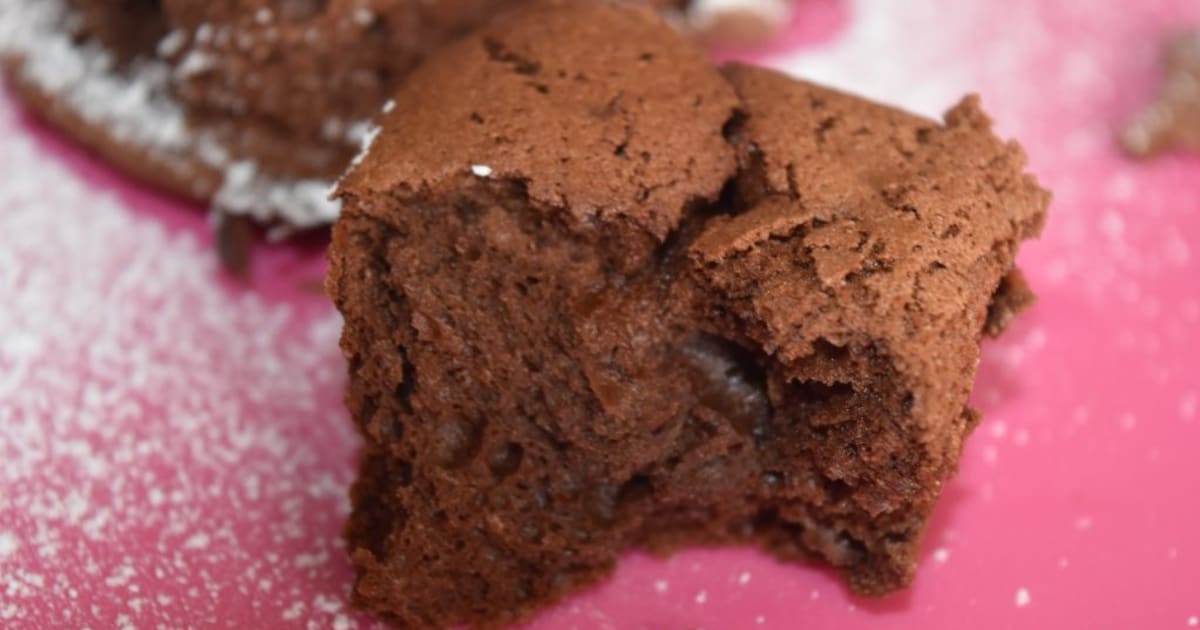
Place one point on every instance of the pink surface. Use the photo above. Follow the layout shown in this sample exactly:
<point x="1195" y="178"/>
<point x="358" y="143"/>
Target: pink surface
<point x="173" y="452"/>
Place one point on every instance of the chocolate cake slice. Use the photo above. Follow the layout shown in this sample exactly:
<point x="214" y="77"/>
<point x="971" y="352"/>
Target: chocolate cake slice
<point x="600" y="295"/>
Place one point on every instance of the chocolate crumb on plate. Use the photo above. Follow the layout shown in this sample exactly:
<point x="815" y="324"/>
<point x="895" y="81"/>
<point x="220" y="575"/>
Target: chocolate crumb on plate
<point x="235" y="243"/>
<point x="1172" y="121"/>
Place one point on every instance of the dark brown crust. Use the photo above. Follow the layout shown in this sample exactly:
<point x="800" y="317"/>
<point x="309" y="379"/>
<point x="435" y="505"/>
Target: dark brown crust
<point x="181" y="176"/>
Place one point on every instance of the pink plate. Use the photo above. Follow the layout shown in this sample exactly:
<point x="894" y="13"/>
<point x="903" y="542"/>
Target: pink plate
<point x="173" y="452"/>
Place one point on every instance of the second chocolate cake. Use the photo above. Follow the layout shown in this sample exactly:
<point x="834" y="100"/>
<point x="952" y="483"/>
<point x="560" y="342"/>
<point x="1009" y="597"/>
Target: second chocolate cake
<point x="599" y="295"/>
<point x="254" y="106"/>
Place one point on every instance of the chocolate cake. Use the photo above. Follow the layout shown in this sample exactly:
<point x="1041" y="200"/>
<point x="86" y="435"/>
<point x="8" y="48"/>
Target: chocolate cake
<point x="1173" y="121"/>
<point x="254" y="105"/>
<point x="600" y="295"/>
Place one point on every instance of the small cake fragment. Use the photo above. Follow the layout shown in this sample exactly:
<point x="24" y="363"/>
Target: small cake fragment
<point x="1172" y="121"/>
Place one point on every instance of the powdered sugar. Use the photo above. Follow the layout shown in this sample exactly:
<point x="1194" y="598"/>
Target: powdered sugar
<point x="136" y="107"/>
<point x="866" y="58"/>
<point x="300" y="203"/>
<point x="8" y="544"/>
<point x="144" y="481"/>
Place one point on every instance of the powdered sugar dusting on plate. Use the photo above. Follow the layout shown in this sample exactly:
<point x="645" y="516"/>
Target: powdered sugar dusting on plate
<point x="170" y="453"/>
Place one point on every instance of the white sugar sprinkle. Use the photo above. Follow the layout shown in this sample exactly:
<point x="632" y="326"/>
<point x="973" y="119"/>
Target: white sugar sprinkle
<point x="368" y="141"/>
<point x="170" y="45"/>
<point x="199" y="540"/>
<point x="661" y="586"/>
<point x="1083" y="523"/>
<point x="1193" y="621"/>
<point x="294" y="611"/>
<point x="760" y="620"/>
<point x="744" y="578"/>
<point x="1022" y="598"/>
<point x="1128" y="422"/>
<point x="701" y="597"/>
<point x="195" y="62"/>
<point x="481" y="170"/>
<point x="941" y="555"/>
<point x="8" y="544"/>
